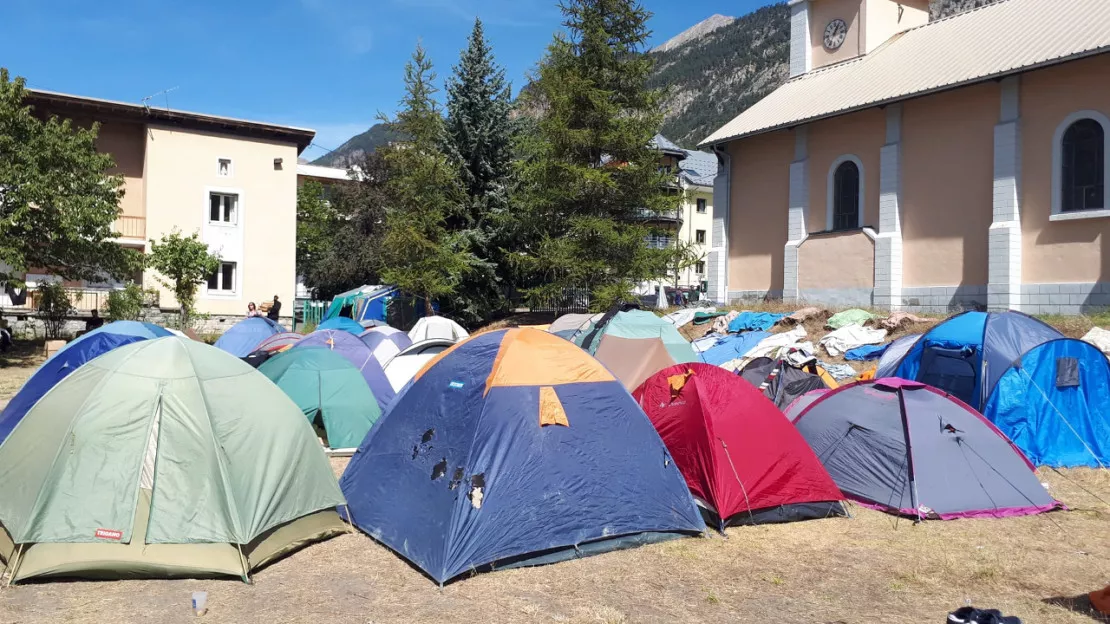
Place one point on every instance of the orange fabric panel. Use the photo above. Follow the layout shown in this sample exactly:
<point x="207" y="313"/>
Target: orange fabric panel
<point x="1100" y="600"/>
<point x="551" y="409"/>
<point x="866" y="375"/>
<point x="529" y="357"/>
<point x="678" y="382"/>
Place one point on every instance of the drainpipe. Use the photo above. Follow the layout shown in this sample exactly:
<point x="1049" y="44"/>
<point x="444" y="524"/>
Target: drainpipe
<point x="722" y="194"/>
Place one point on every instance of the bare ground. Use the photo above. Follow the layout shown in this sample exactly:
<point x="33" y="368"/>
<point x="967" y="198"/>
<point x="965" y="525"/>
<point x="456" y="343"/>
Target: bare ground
<point x="869" y="568"/>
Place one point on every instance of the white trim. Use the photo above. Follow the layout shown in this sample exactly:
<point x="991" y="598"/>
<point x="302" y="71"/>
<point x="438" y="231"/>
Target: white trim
<point x="1079" y="214"/>
<point x="208" y="193"/>
<point x="230" y="167"/>
<point x="235" y="291"/>
<point x="831" y="186"/>
<point x="216" y="233"/>
<point x="1058" y="161"/>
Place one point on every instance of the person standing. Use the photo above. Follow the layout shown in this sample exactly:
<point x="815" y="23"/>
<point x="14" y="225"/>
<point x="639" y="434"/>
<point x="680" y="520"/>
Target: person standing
<point x="252" y="310"/>
<point x="275" y="310"/>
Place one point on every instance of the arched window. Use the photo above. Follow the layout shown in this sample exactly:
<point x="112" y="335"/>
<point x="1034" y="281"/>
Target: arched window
<point x="1082" y="167"/>
<point x="1079" y="167"/>
<point x="846" y="196"/>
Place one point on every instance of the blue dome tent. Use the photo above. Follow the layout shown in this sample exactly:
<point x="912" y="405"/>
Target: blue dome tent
<point x="342" y="323"/>
<point x="245" y="336"/>
<point x="68" y="359"/>
<point x="1050" y="394"/>
<point x="469" y="469"/>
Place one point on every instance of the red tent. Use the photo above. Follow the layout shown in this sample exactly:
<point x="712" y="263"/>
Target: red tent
<point x="742" y="459"/>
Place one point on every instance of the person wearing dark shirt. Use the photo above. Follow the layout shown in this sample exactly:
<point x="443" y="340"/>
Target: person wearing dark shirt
<point x="275" y="310"/>
<point x="94" y="321"/>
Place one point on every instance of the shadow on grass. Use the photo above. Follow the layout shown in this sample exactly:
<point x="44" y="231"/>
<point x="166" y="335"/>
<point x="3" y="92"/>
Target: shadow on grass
<point x="22" y="353"/>
<point x="1077" y="604"/>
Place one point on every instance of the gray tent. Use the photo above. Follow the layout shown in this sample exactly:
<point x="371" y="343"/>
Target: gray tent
<point x="910" y="449"/>
<point x="893" y="355"/>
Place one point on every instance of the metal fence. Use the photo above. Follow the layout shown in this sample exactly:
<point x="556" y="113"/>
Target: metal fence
<point x="311" y="312"/>
<point x="571" y="300"/>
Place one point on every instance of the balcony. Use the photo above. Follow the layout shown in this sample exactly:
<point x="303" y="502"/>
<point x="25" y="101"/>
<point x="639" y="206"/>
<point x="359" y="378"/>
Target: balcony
<point x="131" y="227"/>
<point x="669" y="218"/>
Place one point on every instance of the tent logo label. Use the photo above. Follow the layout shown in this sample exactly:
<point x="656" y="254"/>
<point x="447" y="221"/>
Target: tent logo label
<point x="111" y="534"/>
<point x="455" y="385"/>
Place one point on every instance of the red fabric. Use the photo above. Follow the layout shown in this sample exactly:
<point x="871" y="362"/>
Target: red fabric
<point x="717" y="416"/>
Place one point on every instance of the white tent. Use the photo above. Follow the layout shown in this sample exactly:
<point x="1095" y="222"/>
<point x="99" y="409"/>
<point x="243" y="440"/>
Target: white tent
<point x="403" y="367"/>
<point x="437" y="327"/>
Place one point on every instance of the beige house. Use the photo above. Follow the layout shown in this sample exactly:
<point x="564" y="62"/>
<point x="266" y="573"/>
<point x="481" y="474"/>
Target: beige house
<point x="909" y="164"/>
<point x="234" y="182"/>
<point x="694" y="174"/>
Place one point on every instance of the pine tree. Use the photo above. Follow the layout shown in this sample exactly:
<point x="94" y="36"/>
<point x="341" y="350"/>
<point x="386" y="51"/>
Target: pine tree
<point x="419" y="253"/>
<point x="479" y="137"/>
<point x="589" y="176"/>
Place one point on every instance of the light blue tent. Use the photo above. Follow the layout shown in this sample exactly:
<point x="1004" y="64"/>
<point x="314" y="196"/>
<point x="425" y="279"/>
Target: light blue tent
<point x="245" y="336"/>
<point x="635" y="324"/>
<point x="342" y="323"/>
<point x="1048" y="393"/>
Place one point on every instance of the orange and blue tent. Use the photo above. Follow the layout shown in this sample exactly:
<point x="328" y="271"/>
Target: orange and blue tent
<point x="514" y="448"/>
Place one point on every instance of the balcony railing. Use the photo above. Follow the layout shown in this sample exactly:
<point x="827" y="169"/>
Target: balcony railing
<point x="131" y="227"/>
<point x="660" y="217"/>
<point x="83" y="299"/>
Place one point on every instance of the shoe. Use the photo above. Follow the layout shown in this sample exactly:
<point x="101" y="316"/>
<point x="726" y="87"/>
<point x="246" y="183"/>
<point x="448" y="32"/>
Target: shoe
<point x="964" y="615"/>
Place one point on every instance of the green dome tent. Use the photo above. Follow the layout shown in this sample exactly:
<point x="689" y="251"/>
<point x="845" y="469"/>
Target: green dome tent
<point x="635" y="324"/>
<point x="330" y="392"/>
<point x="162" y="458"/>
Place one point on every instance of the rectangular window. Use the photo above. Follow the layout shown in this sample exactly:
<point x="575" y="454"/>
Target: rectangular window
<point x="223" y="280"/>
<point x="223" y="168"/>
<point x="223" y="208"/>
<point x="699" y="237"/>
<point x="701" y="205"/>
<point x="699" y="268"/>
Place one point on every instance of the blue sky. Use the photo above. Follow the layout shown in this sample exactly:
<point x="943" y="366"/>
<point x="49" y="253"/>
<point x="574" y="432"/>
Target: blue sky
<point x="331" y="65"/>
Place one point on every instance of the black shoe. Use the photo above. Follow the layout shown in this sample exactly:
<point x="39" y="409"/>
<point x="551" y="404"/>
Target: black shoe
<point x="964" y="615"/>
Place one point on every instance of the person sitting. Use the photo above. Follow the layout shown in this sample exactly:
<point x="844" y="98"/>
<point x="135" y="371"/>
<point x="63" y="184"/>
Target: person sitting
<point x="275" y="310"/>
<point x="94" y="321"/>
<point x="252" y="310"/>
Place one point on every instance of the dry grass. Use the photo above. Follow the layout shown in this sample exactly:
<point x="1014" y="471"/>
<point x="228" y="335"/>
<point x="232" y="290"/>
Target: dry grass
<point x="868" y="568"/>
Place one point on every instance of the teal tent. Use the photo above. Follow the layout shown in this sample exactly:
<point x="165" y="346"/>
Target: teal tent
<point x="330" y="392"/>
<point x="635" y="324"/>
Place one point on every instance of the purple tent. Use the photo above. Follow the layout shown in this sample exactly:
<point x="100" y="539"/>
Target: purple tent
<point x="907" y="448"/>
<point x="358" y="354"/>
<point x="385" y="342"/>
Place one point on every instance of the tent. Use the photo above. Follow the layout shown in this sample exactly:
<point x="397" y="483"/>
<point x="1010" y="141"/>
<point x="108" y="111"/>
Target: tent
<point x="910" y="449"/>
<point x="966" y="354"/>
<point x="330" y="392"/>
<point x="358" y="354"/>
<point x="244" y="337"/>
<point x="514" y="448"/>
<point x="350" y="299"/>
<point x="259" y="357"/>
<point x="437" y="327"/>
<point x="401" y="368"/>
<point x="279" y="342"/>
<point x="744" y="462"/>
<point x="343" y="323"/>
<point x="68" y="359"/>
<point x="892" y="357"/>
<point x="782" y="382"/>
<point x="632" y="360"/>
<point x="385" y="342"/>
<point x="162" y="458"/>
<point x="567" y="324"/>
<point x="1054" y="403"/>
<point x="635" y="323"/>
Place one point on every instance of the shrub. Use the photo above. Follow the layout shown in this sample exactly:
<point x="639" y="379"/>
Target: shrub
<point x="125" y="304"/>
<point x="54" y="307"/>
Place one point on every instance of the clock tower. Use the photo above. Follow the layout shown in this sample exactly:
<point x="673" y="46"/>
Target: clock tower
<point x="824" y="32"/>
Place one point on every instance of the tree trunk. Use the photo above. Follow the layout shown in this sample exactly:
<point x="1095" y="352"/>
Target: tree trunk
<point x="428" y="310"/>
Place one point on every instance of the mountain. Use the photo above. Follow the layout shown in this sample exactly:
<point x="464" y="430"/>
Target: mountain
<point x="696" y="31"/>
<point x="365" y="143"/>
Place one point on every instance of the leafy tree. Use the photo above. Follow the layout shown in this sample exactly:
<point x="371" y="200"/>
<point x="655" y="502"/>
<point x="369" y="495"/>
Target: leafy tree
<point x="57" y="201"/>
<point x="125" y="304"/>
<point x="589" y="177"/>
<point x="349" y="257"/>
<point x="419" y="254"/>
<point x="685" y="255"/>
<point x="184" y="264"/>
<point x="316" y="222"/>
<point x="54" y="306"/>
<point x="479" y="134"/>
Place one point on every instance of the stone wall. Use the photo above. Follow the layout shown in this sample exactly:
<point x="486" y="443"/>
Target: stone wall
<point x="28" y="327"/>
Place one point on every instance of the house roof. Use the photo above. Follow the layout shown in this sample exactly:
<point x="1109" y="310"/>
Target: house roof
<point x="316" y="171"/>
<point x="699" y="168"/>
<point x="999" y="39"/>
<point x="665" y="145"/>
<point x="109" y="109"/>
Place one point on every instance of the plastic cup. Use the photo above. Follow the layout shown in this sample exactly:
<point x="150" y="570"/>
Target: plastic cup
<point x="200" y="603"/>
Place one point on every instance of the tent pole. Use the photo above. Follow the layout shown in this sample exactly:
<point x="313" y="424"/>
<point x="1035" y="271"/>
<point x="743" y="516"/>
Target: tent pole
<point x="18" y="559"/>
<point x="909" y="454"/>
<point x="243" y="562"/>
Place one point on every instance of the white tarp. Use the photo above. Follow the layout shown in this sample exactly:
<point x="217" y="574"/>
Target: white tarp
<point x="851" y="336"/>
<point x="684" y="316"/>
<point x="1100" y="338"/>
<point x="768" y="347"/>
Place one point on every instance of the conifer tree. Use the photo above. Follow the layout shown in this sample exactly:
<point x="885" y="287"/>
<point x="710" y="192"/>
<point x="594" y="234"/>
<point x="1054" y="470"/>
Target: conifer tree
<point x="420" y="255"/>
<point x="589" y="177"/>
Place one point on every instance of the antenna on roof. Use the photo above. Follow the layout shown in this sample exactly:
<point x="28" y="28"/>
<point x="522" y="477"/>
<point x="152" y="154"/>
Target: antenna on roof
<point x="163" y="92"/>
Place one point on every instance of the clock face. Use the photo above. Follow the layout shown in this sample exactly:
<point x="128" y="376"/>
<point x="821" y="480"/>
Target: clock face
<point x="835" y="33"/>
